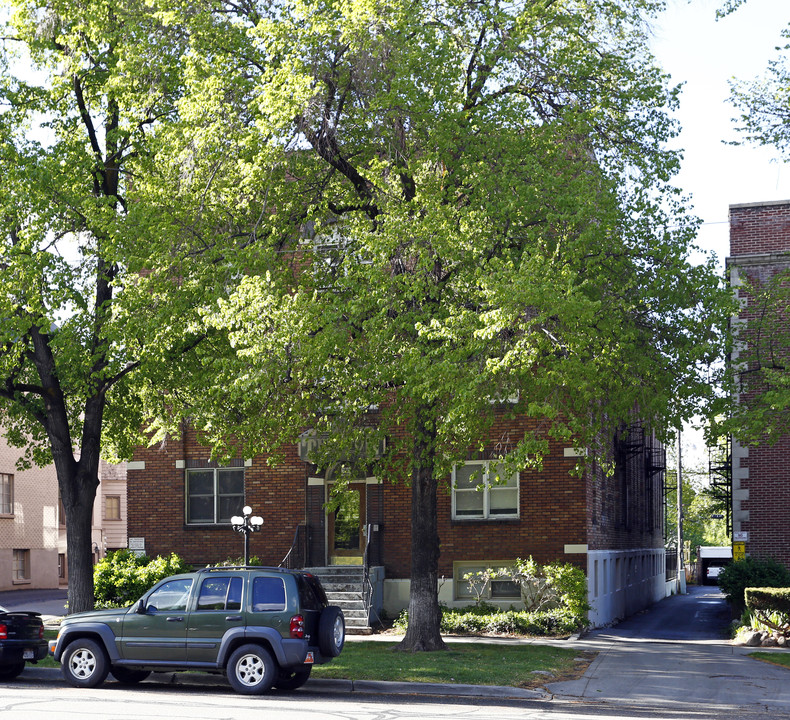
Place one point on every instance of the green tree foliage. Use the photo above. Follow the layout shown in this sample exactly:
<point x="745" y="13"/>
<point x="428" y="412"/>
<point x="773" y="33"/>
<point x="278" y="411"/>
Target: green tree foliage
<point x="441" y="205"/>
<point x="88" y="298"/>
<point x="751" y="573"/>
<point x="758" y="379"/>
<point x="121" y="577"/>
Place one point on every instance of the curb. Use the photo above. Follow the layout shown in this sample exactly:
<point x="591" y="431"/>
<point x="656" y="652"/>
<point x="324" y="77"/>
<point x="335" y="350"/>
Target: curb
<point x="371" y="687"/>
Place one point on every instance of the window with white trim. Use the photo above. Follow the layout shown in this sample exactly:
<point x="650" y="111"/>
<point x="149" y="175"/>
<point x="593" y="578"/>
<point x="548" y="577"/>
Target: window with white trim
<point x="6" y="494"/>
<point x="481" y="492"/>
<point x="214" y="495"/>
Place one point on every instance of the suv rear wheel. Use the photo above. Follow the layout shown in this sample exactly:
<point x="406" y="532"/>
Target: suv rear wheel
<point x="84" y="663"/>
<point x="251" y="670"/>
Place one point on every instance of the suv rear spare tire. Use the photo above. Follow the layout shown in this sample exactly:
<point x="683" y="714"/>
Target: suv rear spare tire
<point x="331" y="631"/>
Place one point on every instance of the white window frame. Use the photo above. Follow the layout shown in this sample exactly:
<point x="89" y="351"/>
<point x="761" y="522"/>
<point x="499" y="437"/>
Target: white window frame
<point x="217" y="519"/>
<point x="483" y="467"/>
<point x="6" y="494"/>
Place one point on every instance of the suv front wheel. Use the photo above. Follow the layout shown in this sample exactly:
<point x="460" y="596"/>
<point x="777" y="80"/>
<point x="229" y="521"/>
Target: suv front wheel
<point x="84" y="664"/>
<point x="251" y="670"/>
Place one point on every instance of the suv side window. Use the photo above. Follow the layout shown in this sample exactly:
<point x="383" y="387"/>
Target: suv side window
<point x="220" y="593"/>
<point x="268" y="593"/>
<point x="173" y="595"/>
<point x="311" y="594"/>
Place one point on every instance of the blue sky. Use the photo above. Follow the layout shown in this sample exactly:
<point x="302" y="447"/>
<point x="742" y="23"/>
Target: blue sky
<point x="703" y="53"/>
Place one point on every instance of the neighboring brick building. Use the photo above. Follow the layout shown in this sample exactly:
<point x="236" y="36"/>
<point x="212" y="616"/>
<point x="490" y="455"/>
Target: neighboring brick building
<point x="610" y="526"/>
<point x="759" y="250"/>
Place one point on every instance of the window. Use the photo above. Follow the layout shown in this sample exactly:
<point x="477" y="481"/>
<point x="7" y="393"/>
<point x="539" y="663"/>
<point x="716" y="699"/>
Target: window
<point x="21" y="565"/>
<point x="171" y="596"/>
<point x="6" y="494"/>
<point x="268" y="594"/>
<point x="112" y="507"/>
<point x="220" y="593"/>
<point x="478" y="494"/>
<point x="498" y="588"/>
<point x="214" y="495"/>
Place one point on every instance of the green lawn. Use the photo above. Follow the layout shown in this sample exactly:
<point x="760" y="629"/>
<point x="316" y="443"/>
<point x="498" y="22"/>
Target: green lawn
<point x="474" y="663"/>
<point x="776" y="658"/>
<point x="463" y="662"/>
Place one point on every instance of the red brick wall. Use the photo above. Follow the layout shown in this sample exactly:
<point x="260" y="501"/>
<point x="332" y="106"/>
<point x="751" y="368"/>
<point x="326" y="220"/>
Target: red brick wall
<point x="156" y="505"/>
<point x="764" y="473"/>
<point x="759" y="228"/>
<point x="557" y="508"/>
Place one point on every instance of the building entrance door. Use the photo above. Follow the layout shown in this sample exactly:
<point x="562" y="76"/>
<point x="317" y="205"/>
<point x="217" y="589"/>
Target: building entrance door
<point x="346" y="527"/>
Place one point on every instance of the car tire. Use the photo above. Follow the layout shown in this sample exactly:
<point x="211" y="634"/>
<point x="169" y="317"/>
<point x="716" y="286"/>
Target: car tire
<point x="331" y="631"/>
<point x="84" y="664"/>
<point x="251" y="670"/>
<point x="11" y="670"/>
<point x="127" y="676"/>
<point x="291" y="679"/>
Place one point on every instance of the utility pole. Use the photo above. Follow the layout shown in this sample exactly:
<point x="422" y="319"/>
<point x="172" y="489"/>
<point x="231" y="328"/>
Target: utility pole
<point x="681" y="568"/>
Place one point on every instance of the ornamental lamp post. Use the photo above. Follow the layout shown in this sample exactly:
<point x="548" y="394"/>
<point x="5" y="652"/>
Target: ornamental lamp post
<point x="248" y="524"/>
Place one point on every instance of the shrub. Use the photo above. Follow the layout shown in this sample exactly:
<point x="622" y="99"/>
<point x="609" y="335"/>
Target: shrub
<point x="751" y="572"/>
<point x="122" y="577"/>
<point x="486" y="619"/>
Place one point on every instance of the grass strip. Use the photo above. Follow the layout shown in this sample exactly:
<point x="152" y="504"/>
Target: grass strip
<point x="782" y="659"/>
<point x="463" y="662"/>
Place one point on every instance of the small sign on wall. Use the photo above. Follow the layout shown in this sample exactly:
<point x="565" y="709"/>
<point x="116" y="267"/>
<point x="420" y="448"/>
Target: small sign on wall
<point x="741" y="536"/>
<point x="738" y="551"/>
<point x="136" y="544"/>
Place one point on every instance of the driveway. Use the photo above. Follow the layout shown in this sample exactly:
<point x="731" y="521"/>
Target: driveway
<point x="676" y="653"/>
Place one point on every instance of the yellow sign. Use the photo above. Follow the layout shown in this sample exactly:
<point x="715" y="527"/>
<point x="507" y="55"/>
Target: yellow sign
<point x="738" y="551"/>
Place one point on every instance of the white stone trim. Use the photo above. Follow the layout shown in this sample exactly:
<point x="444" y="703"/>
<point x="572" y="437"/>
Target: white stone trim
<point x="135" y="465"/>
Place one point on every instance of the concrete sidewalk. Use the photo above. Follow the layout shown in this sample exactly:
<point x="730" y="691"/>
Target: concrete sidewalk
<point x="711" y="673"/>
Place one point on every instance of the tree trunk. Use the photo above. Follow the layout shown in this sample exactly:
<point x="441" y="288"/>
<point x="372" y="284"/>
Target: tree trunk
<point x="424" y="630"/>
<point x="79" y="547"/>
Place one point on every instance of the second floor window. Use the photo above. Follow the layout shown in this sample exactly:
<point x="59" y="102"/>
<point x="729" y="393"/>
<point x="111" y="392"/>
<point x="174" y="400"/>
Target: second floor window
<point x="6" y="494"/>
<point x="479" y="495"/>
<point x="214" y="495"/>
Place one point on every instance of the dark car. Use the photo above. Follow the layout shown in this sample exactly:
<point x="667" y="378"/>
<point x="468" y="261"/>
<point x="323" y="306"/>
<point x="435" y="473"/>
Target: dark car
<point x="21" y="641"/>
<point x="261" y="627"/>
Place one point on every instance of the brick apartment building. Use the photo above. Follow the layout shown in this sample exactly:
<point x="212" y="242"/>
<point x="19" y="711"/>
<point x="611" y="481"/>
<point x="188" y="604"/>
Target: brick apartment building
<point x="612" y="527"/>
<point x="32" y="526"/>
<point x="759" y="250"/>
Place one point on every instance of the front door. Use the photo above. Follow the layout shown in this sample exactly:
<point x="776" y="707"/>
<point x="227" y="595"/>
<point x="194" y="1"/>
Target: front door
<point x="346" y="527"/>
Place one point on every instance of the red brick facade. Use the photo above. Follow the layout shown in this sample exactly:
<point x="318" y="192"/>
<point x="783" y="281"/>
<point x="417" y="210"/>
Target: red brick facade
<point x="561" y="515"/>
<point x="759" y="249"/>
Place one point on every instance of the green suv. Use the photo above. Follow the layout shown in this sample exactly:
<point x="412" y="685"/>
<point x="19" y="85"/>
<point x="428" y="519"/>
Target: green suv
<point x="261" y="627"/>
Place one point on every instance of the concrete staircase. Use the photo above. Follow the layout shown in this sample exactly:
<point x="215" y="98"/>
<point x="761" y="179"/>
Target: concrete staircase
<point x="344" y="586"/>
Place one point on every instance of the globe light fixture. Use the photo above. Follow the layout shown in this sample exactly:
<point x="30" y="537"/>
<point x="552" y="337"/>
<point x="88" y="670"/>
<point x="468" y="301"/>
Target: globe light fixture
<point x="247" y="524"/>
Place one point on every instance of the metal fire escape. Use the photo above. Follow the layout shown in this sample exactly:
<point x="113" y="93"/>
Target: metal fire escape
<point x="720" y="474"/>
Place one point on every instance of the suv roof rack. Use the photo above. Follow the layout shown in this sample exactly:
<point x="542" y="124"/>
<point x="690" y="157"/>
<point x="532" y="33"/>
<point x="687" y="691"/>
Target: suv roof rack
<point x="221" y="568"/>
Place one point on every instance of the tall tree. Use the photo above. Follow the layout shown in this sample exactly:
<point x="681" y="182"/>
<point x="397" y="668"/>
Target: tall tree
<point x="460" y="202"/>
<point x="83" y="87"/>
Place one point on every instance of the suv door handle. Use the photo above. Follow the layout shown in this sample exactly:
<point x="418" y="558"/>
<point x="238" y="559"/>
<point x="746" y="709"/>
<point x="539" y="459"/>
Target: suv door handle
<point x="234" y="618"/>
<point x="175" y="618"/>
